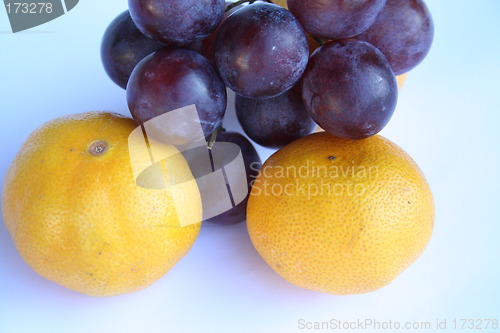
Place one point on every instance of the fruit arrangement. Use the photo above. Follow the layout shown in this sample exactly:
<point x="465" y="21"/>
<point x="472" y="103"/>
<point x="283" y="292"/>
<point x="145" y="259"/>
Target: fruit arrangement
<point x="343" y="211"/>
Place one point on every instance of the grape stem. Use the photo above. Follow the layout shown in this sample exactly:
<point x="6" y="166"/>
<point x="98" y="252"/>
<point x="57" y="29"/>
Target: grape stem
<point x="213" y="137"/>
<point x="318" y="40"/>
<point x="240" y="2"/>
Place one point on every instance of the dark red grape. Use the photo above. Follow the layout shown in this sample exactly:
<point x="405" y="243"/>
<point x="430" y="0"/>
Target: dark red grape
<point x="275" y="122"/>
<point x="403" y="32"/>
<point x="252" y="163"/>
<point x="349" y="89"/>
<point x="171" y="79"/>
<point x="261" y="50"/>
<point x="123" y="46"/>
<point x="336" y="19"/>
<point x="206" y="46"/>
<point x="177" y="22"/>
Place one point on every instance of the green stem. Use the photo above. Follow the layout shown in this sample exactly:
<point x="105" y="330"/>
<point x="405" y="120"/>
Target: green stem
<point x="240" y="2"/>
<point x="318" y="40"/>
<point x="213" y="137"/>
<point x="235" y="4"/>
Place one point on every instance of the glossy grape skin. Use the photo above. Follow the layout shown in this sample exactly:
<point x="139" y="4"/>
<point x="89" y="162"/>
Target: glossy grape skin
<point x="277" y="121"/>
<point x="206" y="46"/>
<point x="123" y="46"/>
<point x="252" y="163"/>
<point x="404" y="32"/>
<point x="261" y="50"/>
<point x="171" y="79"/>
<point x="177" y="22"/>
<point x="336" y="19"/>
<point x="349" y="89"/>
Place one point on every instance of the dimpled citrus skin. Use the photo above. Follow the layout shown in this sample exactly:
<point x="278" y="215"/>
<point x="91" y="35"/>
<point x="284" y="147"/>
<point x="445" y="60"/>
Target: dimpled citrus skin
<point x="80" y="220"/>
<point x="349" y="239"/>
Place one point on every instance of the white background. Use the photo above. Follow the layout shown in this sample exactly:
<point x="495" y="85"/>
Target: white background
<point x="447" y="119"/>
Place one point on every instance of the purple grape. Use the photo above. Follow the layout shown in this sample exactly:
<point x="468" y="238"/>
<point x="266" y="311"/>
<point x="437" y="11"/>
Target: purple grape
<point x="171" y="79"/>
<point x="123" y="46"/>
<point x="261" y="50"/>
<point x="349" y="89"/>
<point x="206" y="46"/>
<point x="277" y="121"/>
<point x="252" y="163"/>
<point x="403" y="32"/>
<point x="336" y="19"/>
<point x="177" y="22"/>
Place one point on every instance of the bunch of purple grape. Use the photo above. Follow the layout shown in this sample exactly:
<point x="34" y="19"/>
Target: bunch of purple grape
<point x="173" y="53"/>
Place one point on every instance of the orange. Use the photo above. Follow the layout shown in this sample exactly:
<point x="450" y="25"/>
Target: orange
<point x="281" y="3"/>
<point x="401" y="80"/>
<point x="77" y="217"/>
<point x="340" y="216"/>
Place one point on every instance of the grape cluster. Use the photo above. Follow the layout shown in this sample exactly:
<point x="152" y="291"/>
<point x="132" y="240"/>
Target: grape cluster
<point x="261" y="51"/>
<point x="171" y="53"/>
